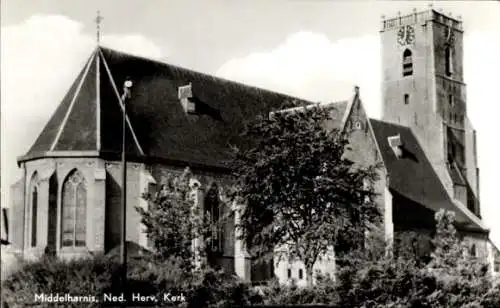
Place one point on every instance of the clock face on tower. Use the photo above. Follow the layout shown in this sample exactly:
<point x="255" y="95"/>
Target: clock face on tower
<point x="406" y="35"/>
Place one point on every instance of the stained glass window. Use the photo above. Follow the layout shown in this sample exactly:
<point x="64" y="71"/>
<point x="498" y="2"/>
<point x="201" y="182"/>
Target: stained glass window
<point x="74" y="211"/>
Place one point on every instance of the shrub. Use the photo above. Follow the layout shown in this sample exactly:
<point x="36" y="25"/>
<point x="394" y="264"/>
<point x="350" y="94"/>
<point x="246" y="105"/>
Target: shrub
<point x="204" y="288"/>
<point x="367" y="278"/>
<point x="49" y="276"/>
<point x="96" y="276"/>
<point x="492" y="298"/>
<point x="381" y="283"/>
<point x="323" y="292"/>
<point x="211" y="288"/>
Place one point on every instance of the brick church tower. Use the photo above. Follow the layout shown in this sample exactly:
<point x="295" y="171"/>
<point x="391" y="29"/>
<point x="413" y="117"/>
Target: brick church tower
<point x="423" y="88"/>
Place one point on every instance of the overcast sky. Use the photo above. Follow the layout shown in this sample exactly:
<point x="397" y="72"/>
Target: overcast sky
<point x="316" y="50"/>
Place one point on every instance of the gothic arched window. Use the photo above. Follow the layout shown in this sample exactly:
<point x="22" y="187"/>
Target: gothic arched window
<point x="34" y="208"/>
<point x="74" y="211"/>
<point x="216" y="214"/>
<point x="407" y="63"/>
<point x="449" y="60"/>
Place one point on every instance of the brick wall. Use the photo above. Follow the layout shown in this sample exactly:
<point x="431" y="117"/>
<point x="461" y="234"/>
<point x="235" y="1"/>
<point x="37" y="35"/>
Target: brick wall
<point x="113" y="203"/>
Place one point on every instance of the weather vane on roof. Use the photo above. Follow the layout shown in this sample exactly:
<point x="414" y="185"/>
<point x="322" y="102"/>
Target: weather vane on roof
<point x="98" y="21"/>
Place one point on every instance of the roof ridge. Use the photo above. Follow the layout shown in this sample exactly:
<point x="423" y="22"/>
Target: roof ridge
<point x="391" y="123"/>
<point x="122" y="106"/>
<point x="98" y="100"/>
<point x="339" y="101"/>
<point x="206" y="75"/>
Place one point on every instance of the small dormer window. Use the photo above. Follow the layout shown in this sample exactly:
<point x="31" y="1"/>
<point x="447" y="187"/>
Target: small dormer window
<point x="185" y="96"/>
<point x="449" y="61"/>
<point x="396" y="145"/>
<point x="407" y="63"/>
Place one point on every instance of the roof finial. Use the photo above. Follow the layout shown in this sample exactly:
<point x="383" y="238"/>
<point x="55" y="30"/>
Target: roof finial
<point x="98" y="21"/>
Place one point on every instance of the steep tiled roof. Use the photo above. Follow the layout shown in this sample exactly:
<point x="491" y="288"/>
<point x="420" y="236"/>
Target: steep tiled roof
<point x="88" y="120"/>
<point x="412" y="175"/>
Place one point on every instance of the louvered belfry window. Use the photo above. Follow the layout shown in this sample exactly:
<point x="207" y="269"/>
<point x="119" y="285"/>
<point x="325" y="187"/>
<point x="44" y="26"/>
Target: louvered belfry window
<point x="449" y="61"/>
<point x="74" y="211"/>
<point x="407" y="63"/>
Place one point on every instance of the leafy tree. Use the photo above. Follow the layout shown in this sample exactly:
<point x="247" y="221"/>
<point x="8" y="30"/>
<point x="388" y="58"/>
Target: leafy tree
<point x="453" y="256"/>
<point x="453" y="277"/>
<point x="172" y="222"/>
<point x="299" y="189"/>
<point x="462" y="277"/>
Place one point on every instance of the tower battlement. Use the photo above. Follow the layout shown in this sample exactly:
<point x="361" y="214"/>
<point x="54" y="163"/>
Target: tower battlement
<point x="421" y="18"/>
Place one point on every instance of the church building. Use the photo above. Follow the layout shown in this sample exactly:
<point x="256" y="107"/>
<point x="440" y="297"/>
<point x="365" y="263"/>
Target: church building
<point x="68" y="200"/>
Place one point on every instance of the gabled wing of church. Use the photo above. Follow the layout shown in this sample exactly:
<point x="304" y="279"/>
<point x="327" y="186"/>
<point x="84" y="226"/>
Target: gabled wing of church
<point x="88" y="122"/>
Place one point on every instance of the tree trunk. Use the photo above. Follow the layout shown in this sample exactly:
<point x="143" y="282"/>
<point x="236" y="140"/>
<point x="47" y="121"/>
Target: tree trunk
<point x="309" y="275"/>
